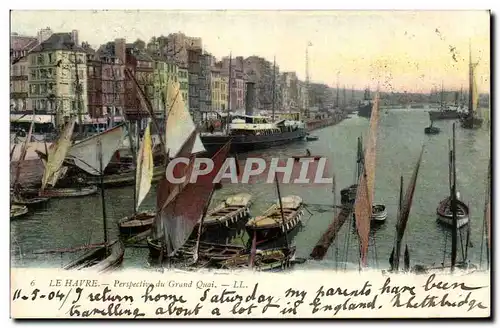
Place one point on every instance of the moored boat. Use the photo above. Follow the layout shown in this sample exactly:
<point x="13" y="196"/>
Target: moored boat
<point x="63" y="192"/>
<point x="136" y="223"/>
<point x="379" y="213"/>
<point x="312" y="138"/>
<point x="432" y="130"/>
<point x="102" y="259"/>
<point x="445" y="214"/>
<point x="264" y="260"/>
<point x="17" y="211"/>
<point x="126" y="178"/>
<point x="271" y="224"/>
<point x="30" y="202"/>
<point x="229" y="212"/>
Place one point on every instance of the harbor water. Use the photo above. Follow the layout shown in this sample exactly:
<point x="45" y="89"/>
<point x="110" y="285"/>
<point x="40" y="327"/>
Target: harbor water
<point x="72" y="222"/>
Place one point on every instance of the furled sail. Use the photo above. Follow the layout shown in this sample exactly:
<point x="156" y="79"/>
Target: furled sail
<point x="475" y="93"/>
<point x="56" y="155"/>
<point x="83" y="153"/>
<point x="365" y="190"/>
<point x="404" y="213"/>
<point x="145" y="165"/>
<point x="179" y="124"/>
<point x="182" y="214"/>
<point x="24" y="150"/>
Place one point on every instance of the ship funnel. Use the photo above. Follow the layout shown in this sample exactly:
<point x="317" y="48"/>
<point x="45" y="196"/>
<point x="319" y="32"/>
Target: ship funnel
<point x="250" y="98"/>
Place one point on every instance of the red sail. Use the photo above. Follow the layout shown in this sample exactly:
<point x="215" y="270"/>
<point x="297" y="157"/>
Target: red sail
<point x="182" y="214"/>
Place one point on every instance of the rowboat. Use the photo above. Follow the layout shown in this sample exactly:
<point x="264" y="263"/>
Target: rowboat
<point x="312" y="138"/>
<point x="265" y="260"/>
<point x="101" y="259"/>
<point x="445" y="215"/>
<point x="137" y="223"/>
<point x="379" y="213"/>
<point x="17" y="211"/>
<point x="229" y="212"/>
<point x="270" y="225"/>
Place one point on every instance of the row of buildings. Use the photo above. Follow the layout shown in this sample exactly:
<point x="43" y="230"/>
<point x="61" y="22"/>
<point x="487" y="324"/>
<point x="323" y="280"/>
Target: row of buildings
<point x="55" y="73"/>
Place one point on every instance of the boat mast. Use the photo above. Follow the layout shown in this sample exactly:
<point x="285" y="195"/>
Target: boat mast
<point x="274" y="87"/>
<point x="200" y="226"/>
<point x="101" y="172"/>
<point x="442" y="96"/>
<point x="134" y="158"/>
<point x="454" y="207"/>
<point x="228" y="120"/>
<point x="281" y="210"/>
<point x="471" y="85"/>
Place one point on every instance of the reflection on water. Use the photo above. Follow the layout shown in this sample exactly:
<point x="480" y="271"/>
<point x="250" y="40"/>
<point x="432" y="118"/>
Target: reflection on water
<point x="73" y="222"/>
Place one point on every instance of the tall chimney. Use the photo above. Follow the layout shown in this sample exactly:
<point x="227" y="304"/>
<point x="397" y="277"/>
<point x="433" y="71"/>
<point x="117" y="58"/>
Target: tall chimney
<point x="250" y="98"/>
<point x="120" y="50"/>
<point x="74" y="37"/>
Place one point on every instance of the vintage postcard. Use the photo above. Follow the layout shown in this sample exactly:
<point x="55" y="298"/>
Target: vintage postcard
<point x="250" y="164"/>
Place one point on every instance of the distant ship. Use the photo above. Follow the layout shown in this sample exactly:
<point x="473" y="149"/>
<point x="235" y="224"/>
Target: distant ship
<point x="249" y="133"/>
<point x="365" y="107"/>
<point x="444" y="112"/>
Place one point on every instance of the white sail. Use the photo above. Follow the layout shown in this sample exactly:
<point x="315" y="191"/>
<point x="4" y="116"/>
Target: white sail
<point x="179" y="123"/>
<point x="144" y="168"/>
<point x="56" y="155"/>
<point x="83" y="153"/>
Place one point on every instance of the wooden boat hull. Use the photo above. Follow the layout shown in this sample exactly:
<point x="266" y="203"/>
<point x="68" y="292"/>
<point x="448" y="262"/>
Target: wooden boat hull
<point x="268" y="233"/>
<point x="445" y="216"/>
<point x="135" y="224"/>
<point x="98" y="260"/>
<point x="312" y="138"/>
<point x="17" y="211"/>
<point x="379" y="213"/>
<point x="64" y="192"/>
<point x="268" y="260"/>
<point x="36" y="202"/>
<point x="212" y="252"/>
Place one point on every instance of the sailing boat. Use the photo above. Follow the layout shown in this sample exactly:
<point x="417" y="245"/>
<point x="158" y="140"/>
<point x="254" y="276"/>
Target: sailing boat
<point x="444" y="210"/>
<point x="471" y="120"/>
<point x="403" y="215"/>
<point x="363" y="200"/>
<point x="18" y="199"/>
<point x="454" y="207"/>
<point x="109" y="255"/>
<point x="432" y="129"/>
<point x="141" y="221"/>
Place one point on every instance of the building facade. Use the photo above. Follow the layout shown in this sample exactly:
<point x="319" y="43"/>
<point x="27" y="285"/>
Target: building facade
<point x="140" y="65"/>
<point x="160" y="80"/>
<point x="219" y="90"/>
<point x="19" y="47"/>
<point x="58" y="77"/>
<point x="183" y="78"/>
<point x="112" y="60"/>
<point x="238" y="79"/>
<point x="260" y="71"/>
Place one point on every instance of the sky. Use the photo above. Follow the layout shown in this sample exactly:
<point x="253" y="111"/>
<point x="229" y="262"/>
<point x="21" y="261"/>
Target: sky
<point x="411" y="51"/>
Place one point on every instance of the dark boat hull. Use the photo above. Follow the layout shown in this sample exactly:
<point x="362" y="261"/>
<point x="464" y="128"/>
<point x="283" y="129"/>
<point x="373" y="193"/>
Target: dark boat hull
<point x="435" y="115"/>
<point x="445" y="215"/>
<point x="247" y="143"/>
<point x="472" y="122"/>
<point x="365" y="110"/>
<point x="136" y="224"/>
<point x="432" y="130"/>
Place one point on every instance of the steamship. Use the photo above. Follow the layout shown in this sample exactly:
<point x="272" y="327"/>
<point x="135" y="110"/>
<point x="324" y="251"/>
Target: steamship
<point x="249" y="132"/>
<point x="365" y="108"/>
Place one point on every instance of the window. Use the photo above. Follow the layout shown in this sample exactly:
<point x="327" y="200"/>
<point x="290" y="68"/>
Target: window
<point x="33" y="59"/>
<point x="41" y="60"/>
<point x="33" y="74"/>
<point x="51" y="58"/>
<point x="33" y="104"/>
